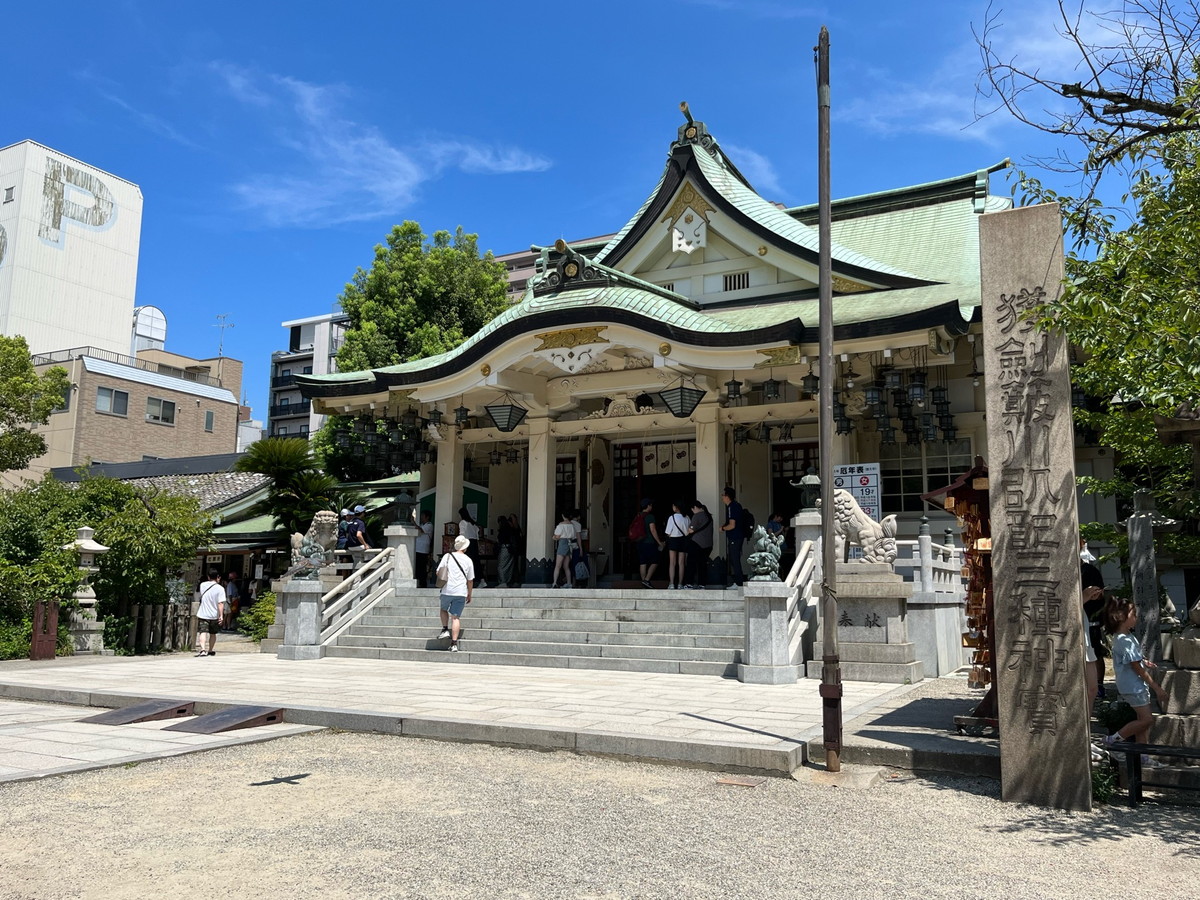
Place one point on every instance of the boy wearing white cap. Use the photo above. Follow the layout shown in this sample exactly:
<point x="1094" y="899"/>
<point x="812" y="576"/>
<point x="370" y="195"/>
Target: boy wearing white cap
<point x="456" y="574"/>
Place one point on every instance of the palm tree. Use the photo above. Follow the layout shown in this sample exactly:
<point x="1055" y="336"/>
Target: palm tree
<point x="299" y="489"/>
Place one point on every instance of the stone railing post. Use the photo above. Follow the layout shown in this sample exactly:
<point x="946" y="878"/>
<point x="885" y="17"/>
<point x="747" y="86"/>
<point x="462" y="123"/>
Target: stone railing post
<point x="402" y="538"/>
<point x="768" y="660"/>
<point x="925" y="551"/>
<point x="807" y="524"/>
<point x="301" y="602"/>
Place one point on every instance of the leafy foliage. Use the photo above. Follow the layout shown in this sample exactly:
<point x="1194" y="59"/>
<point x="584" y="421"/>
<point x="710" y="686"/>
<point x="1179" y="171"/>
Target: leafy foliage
<point x="255" y="621"/>
<point x="298" y="487"/>
<point x="419" y="299"/>
<point x="26" y="400"/>
<point x="150" y="535"/>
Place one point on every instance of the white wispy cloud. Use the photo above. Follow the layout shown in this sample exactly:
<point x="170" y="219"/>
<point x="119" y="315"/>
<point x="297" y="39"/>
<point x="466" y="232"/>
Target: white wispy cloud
<point x="943" y="99"/>
<point x="756" y="167"/>
<point x="341" y="170"/>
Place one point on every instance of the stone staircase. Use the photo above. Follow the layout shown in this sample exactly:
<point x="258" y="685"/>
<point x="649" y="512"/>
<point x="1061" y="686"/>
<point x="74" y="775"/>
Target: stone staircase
<point x="695" y="632"/>
<point x="1179" y="723"/>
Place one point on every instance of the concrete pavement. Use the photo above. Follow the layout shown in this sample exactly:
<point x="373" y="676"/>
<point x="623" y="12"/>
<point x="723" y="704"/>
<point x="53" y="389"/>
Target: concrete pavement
<point x="699" y="720"/>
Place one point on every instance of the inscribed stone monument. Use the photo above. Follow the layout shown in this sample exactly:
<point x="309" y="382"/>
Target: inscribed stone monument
<point x="1043" y="715"/>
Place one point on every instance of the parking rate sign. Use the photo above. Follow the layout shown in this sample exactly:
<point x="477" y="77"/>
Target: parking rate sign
<point x="862" y="481"/>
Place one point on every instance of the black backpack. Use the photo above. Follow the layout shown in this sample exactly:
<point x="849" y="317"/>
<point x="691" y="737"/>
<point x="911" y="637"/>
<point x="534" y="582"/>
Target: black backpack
<point x="746" y="522"/>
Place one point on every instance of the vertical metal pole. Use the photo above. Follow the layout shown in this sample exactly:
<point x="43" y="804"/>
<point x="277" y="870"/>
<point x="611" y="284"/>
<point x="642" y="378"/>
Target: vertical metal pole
<point x="831" y="670"/>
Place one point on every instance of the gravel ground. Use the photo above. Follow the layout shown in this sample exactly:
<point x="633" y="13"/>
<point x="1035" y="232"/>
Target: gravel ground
<point x="375" y="816"/>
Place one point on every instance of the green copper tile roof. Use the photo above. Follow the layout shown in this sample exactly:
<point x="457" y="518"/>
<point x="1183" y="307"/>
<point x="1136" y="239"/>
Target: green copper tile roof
<point x="767" y="214"/>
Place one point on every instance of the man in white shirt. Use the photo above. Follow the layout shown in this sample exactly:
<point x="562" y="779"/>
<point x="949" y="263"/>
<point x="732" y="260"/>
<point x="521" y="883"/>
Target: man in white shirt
<point x="422" y="548"/>
<point x="458" y="574"/>
<point x="212" y="611"/>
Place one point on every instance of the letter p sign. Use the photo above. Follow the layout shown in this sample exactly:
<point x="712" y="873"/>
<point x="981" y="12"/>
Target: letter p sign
<point x="56" y="205"/>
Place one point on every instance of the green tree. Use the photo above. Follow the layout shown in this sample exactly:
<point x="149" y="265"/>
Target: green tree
<point x="299" y="489"/>
<point x="26" y="401"/>
<point x="419" y="298"/>
<point x="151" y="535"/>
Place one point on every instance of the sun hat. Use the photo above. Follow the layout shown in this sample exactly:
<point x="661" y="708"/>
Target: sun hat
<point x="461" y="543"/>
<point x="345" y="512"/>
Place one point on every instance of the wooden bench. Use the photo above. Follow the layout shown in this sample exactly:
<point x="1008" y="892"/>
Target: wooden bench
<point x="1133" y="763"/>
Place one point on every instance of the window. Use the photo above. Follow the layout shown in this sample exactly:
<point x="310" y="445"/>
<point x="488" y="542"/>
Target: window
<point x="285" y="401"/>
<point x="8" y="194"/>
<point x="209" y="417"/>
<point x="162" y="411"/>
<point x="910" y="470"/>
<point x="307" y="370"/>
<point x="284" y="373"/>
<point x="668" y="285"/>
<point x="282" y="429"/>
<point x="303" y="431"/>
<point x="66" y="401"/>
<point x="112" y="401"/>
<point x="737" y="281"/>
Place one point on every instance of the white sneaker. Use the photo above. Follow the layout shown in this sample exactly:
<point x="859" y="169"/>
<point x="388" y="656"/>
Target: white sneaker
<point x="670" y="587"/>
<point x="445" y="634"/>
<point x="454" y="647"/>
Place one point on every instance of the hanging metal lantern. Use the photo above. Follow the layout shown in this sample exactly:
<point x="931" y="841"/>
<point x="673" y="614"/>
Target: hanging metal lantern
<point x="851" y="377"/>
<point x="873" y="395"/>
<point x="772" y="389"/>
<point x="341" y="437"/>
<point x="741" y="434"/>
<point x="461" y="415"/>
<point x="733" y="389"/>
<point x="764" y="434"/>
<point x="506" y="416"/>
<point x="785" y="432"/>
<point x="494" y="457"/>
<point x="893" y="380"/>
<point x="810" y="383"/>
<point x="887" y="435"/>
<point x="946" y="422"/>
<point x="1078" y="397"/>
<point x="949" y="435"/>
<point x="681" y="400"/>
<point x="360" y="425"/>
<point x="844" y="424"/>
<point x="939" y="394"/>
<point x="916" y="388"/>
<point x="512" y="455"/>
<point x="435" y="416"/>
<point x="409" y="419"/>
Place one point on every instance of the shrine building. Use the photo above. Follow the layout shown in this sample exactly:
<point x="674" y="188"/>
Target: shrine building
<point x="681" y="356"/>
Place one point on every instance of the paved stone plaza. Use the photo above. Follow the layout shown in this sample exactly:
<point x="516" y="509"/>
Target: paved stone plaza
<point x="686" y="718"/>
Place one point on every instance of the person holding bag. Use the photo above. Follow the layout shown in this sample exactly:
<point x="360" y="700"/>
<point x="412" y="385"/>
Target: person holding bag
<point x="677" y="545"/>
<point x="456" y="579"/>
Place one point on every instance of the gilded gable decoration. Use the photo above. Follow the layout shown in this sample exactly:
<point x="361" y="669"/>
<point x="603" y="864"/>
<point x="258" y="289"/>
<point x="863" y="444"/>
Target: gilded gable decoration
<point x="688" y="216"/>
<point x="574" y="349"/>
<point x="846" y="286"/>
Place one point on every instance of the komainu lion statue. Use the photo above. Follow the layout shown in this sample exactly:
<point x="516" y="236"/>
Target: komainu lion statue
<point x="764" y="561"/>
<point x="852" y="525"/>
<point x="312" y="550"/>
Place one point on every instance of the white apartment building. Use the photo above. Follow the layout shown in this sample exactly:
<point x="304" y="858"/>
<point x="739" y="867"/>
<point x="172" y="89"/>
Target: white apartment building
<point x="69" y="237"/>
<point x="313" y="344"/>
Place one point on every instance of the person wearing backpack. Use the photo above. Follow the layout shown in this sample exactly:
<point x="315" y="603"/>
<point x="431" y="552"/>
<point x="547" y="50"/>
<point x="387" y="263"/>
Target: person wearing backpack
<point x="211" y="612"/>
<point x="643" y="532"/>
<point x="735" y="535"/>
<point x="700" y="538"/>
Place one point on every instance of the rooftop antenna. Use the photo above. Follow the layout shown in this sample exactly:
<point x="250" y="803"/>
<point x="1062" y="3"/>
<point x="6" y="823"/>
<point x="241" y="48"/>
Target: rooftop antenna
<point x="222" y="325"/>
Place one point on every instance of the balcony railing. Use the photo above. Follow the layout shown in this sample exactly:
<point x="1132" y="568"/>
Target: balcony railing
<point x="61" y="356"/>
<point x="301" y="408"/>
<point x="283" y="381"/>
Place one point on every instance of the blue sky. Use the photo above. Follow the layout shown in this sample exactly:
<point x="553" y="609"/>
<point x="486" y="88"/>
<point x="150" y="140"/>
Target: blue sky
<point x="276" y="144"/>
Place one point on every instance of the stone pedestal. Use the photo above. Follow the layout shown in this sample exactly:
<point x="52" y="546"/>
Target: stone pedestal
<point x="402" y="538"/>
<point x="873" y="640"/>
<point x="87" y="632"/>
<point x="301" y="601"/>
<point x="768" y="660"/>
<point x="935" y="626"/>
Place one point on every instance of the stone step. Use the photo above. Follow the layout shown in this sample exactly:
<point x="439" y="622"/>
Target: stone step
<point x="882" y="673"/>
<point x="1185" y="651"/>
<point x="424" y="629"/>
<point x="1183" y="692"/>
<point x="677" y="617"/>
<point x="1176" y="731"/>
<point x="430" y="619"/>
<point x="482" y="643"/>
<point x="559" y="600"/>
<point x="479" y="656"/>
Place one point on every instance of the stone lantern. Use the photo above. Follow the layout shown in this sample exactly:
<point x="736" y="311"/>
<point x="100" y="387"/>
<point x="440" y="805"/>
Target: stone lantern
<point x="87" y="632"/>
<point x="405" y="503"/>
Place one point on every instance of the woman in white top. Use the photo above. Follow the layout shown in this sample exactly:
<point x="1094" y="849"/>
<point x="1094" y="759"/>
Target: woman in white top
<point x="564" y="537"/>
<point x="469" y="528"/>
<point x="677" y="544"/>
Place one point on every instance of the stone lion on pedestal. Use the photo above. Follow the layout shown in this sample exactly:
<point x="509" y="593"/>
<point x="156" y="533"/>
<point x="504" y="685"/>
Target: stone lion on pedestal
<point x="764" y="561"/>
<point x="852" y="525"/>
<point x="314" y="548"/>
